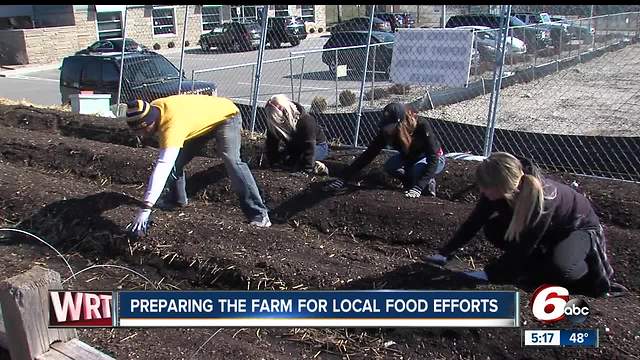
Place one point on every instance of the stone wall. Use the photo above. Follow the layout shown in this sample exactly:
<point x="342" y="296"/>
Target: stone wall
<point x="140" y="26"/>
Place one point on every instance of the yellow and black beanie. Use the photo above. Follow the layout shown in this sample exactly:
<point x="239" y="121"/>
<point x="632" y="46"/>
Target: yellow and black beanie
<point x="141" y="114"/>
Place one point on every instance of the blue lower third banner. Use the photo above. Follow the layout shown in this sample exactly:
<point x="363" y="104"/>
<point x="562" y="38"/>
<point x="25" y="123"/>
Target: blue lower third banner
<point x="375" y="308"/>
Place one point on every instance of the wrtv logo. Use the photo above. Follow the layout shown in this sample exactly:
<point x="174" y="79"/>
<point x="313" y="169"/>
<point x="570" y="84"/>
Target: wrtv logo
<point x="80" y="309"/>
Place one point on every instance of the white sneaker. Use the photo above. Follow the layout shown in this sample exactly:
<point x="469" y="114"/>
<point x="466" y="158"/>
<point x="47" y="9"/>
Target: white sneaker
<point x="263" y="223"/>
<point x="320" y="168"/>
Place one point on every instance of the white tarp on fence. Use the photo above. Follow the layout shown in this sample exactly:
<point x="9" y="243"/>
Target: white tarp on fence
<point x="432" y="57"/>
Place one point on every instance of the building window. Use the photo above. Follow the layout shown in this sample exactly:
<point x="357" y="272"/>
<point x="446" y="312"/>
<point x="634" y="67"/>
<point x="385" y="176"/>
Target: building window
<point x="282" y="10"/>
<point x="109" y="25"/>
<point x="164" y="20"/>
<point x="211" y="16"/>
<point x="245" y="13"/>
<point x="308" y="13"/>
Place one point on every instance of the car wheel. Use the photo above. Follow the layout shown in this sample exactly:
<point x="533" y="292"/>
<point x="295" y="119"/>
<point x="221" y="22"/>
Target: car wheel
<point x="295" y="42"/>
<point x="204" y="47"/>
<point x="236" y="47"/>
<point x="274" y="44"/>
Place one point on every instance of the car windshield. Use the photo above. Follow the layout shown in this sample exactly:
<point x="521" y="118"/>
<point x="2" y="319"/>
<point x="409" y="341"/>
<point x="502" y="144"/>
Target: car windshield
<point x="516" y="22"/>
<point x="149" y="69"/>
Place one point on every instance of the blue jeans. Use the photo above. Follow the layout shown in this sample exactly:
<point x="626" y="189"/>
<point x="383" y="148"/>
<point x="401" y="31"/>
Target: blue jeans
<point x="243" y="184"/>
<point x="410" y="172"/>
<point x="322" y="151"/>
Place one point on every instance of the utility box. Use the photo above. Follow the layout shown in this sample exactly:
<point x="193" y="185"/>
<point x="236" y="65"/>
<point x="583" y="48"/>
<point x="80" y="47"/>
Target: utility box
<point x="91" y="104"/>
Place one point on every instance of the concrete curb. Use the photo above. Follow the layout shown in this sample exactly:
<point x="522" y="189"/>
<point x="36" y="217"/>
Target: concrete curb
<point x="29" y="69"/>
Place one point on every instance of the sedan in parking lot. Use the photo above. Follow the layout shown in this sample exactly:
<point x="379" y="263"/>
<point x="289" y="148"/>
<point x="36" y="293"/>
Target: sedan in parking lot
<point x="486" y="41"/>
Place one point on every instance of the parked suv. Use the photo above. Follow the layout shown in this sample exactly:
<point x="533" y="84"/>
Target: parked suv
<point x="559" y="32"/>
<point x="354" y="58"/>
<point x="233" y="36"/>
<point x="147" y="76"/>
<point x="286" y="29"/>
<point x="535" y="39"/>
<point x="361" y="24"/>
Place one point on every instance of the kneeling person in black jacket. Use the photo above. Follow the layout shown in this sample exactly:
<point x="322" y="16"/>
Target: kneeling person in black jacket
<point x="420" y="156"/>
<point x="304" y="141"/>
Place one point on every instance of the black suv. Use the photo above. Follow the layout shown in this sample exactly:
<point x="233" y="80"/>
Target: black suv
<point x="535" y="39"/>
<point x="285" y="29"/>
<point x="147" y="76"/>
<point x="233" y="36"/>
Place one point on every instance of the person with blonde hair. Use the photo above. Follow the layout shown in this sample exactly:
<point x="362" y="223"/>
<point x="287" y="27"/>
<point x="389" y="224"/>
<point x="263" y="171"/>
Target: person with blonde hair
<point x="420" y="157"/>
<point x="548" y="231"/>
<point x="305" y="143"/>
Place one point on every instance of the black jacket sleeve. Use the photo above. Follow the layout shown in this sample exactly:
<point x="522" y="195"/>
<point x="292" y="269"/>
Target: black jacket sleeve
<point x="306" y="131"/>
<point x="470" y="227"/>
<point x="272" y="148"/>
<point x="431" y="148"/>
<point x="514" y="260"/>
<point x="365" y="158"/>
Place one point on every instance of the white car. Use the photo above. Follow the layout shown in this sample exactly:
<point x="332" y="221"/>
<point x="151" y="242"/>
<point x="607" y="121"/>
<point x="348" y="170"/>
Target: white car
<point x="486" y="40"/>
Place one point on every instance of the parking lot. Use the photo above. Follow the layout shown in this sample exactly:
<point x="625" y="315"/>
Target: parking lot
<point x="42" y="87"/>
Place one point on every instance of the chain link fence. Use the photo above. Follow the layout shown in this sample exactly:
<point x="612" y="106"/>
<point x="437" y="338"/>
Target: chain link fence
<point x="567" y="98"/>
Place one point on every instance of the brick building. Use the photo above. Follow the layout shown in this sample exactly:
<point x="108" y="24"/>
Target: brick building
<point x="40" y="34"/>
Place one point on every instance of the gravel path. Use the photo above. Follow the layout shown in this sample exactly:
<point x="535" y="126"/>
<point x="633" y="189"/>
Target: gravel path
<point x="600" y="97"/>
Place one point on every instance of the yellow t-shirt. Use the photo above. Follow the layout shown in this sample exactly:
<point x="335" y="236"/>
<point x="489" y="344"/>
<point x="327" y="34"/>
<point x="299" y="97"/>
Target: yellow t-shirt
<point x="184" y="117"/>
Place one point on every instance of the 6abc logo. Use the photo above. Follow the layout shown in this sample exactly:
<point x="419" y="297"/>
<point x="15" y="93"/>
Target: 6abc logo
<point x="550" y="304"/>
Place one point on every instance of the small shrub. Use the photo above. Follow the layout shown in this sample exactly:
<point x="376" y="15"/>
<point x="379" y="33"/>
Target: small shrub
<point x="312" y="30"/>
<point x="398" y="89"/>
<point x="347" y="98"/>
<point x="171" y="45"/>
<point x="378" y="93"/>
<point x="156" y="46"/>
<point x="320" y="30"/>
<point x="186" y="43"/>
<point x="319" y="104"/>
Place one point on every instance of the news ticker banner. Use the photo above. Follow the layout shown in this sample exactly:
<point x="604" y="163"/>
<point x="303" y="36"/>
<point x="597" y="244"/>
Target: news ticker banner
<point x="375" y="308"/>
<point x="562" y="337"/>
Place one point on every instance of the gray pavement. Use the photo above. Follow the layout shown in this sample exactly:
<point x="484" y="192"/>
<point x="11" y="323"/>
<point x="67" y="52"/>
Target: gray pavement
<point x="42" y="87"/>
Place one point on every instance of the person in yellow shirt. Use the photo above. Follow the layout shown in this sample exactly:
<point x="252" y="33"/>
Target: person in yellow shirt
<point x="183" y="124"/>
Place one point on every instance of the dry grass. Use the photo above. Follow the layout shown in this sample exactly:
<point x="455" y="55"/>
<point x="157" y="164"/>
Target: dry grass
<point x="24" y="102"/>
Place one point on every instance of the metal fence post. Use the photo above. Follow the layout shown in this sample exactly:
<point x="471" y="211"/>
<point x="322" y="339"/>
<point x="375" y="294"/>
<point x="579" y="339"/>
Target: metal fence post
<point x="579" y="40"/>
<point x="336" y="78"/>
<point x="301" y="78"/>
<point x="606" y="31"/>
<point x="124" y="36"/>
<point x="184" y="33"/>
<point x="263" y="41"/>
<point x="444" y="15"/>
<point x="364" y="77"/>
<point x="593" y="40"/>
<point x="497" y="81"/>
<point x="291" y="74"/>
<point x="373" y="76"/>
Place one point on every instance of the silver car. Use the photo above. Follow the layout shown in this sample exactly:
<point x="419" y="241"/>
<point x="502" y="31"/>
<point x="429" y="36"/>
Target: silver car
<point x="486" y="41"/>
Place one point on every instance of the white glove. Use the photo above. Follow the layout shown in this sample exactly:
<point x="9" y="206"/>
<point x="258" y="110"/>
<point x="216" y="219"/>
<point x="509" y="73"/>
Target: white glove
<point x="436" y="259"/>
<point x="415" y="192"/>
<point x="337" y="184"/>
<point x="477" y="275"/>
<point x="140" y="224"/>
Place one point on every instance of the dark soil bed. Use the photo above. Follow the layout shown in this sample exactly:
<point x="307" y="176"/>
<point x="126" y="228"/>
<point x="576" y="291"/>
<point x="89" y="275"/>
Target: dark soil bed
<point x="79" y="194"/>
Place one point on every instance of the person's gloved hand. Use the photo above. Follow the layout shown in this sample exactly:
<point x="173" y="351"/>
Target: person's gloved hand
<point x="414" y="192"/>
<point x="337" y="184"/>
<point x="140" y="224"/>
<point x="300" y="174"/>
<point x="436" y="259"/>
<point x="477" y="275"/>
